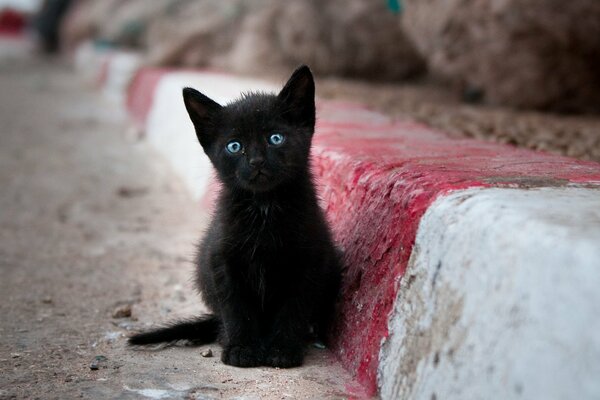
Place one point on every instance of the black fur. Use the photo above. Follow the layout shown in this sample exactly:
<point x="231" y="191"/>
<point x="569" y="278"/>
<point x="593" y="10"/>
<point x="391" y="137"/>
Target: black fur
<point x="267" y="267"/>
<point x="204" y="329"/>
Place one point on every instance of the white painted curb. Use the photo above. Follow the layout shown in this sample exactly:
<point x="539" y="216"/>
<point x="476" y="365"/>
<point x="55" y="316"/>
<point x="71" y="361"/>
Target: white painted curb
<point x="119" y="73"/>
<point x="501" y="299"/>
<point x="88" y="61"/>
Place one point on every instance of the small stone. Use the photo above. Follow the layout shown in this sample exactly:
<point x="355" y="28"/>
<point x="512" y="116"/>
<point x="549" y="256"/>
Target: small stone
<point x="207" y="353"/>
<point x="129" y="192"/>
<point x="15" y="355"/>
<point x="96" y="363"/>
<point x="110" y="337"/>
<point x="319" y="345"/>
<point x="123" y="311"/>
<point x="473" y="95"/>
<point x="127" y="324"/>
<point x="47" y="300"/>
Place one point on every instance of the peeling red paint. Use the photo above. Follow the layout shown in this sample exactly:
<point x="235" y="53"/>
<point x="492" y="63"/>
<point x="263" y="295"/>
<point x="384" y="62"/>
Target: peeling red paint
<point x="12" y="22"/>
<point x="140" y="94"/>
<point x="103" y="72"/>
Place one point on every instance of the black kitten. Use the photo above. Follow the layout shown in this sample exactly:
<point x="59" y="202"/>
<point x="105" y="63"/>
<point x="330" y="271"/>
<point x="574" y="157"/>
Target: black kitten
<point x="267" y="267"/>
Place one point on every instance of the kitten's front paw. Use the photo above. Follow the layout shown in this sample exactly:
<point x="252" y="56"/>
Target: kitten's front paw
<point x="242" y="356"/>
<point x="284" y="357"/>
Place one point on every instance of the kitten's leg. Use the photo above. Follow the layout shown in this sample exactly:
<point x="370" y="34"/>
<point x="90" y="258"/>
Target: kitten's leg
<point x="241" y="347"/>
<point x="285" y="345"/>
<point x="325" y="306"/>
<point x="240" y="336"/>
<point x="239" y="323"/>
<point x="312" y="303"/>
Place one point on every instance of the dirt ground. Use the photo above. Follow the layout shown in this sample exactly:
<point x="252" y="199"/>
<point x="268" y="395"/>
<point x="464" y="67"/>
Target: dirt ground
<point x="92" y="223"/>
<point x="438" y="105"/>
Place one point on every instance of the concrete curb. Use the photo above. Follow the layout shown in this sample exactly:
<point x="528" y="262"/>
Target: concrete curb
<point x="390" y="185"/>
<point x="500" y="299"/>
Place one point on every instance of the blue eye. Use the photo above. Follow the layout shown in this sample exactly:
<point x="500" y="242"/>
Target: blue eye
<point x="276" y="139"/>
<point x="234" y="147"/>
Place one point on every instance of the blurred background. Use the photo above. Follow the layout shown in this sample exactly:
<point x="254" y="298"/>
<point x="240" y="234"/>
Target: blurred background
<point x="522" y="72"/>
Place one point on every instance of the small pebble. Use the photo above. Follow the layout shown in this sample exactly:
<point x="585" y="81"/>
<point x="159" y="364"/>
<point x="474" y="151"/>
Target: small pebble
<point x="127" y="324"/>
<point x="95" y="364"/>
<point x="319" y="345"/>
<point x="129" y="192"/>
<point x="123" y="311"/>
<point x="207" y="353"/>
<point x="15" y="355"/>
<point x="47" y="300"/>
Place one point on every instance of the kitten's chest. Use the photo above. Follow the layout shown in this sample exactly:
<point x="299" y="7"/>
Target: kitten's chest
<point x="266" y="253"/>
<point x="263" y="234"/>
<point x="265" y="237"/>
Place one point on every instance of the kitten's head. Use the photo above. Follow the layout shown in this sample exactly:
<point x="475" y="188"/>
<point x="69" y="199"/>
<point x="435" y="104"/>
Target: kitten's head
<point x="262" y="140"/>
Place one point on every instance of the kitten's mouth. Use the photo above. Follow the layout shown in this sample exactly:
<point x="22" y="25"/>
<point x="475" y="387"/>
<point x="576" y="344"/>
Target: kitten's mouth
<point x="260" y="181"/>
<point x="258" y="175"/>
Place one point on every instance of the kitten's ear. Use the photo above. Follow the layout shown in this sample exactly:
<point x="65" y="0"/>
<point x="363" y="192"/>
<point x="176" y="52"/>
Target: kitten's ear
<point x="298" y="98"/>
<point x="201" y="109"/>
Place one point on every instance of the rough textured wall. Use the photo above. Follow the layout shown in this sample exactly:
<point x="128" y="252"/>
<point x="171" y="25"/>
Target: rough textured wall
<point x="197" y="33"/>
<point x="357" y="38"/>
<point x="120" y="22"/>
<point x="360" y="38"/>
<point x="542" y="54"/>
<point x="84" y="19"/>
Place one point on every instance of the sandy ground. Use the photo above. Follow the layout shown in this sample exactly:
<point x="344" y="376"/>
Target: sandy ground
<point x="91" y="221"/>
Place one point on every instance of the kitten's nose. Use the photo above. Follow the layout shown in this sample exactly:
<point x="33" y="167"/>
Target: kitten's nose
<point x="256" y="161"/>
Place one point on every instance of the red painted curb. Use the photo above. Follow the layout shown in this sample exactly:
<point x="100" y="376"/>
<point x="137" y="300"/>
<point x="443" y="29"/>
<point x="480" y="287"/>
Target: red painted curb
<point x="377" y="177"/>
<point x="12" y="22"/>
<point x="102" y="77"/>
<point x="376" y="182"/>
<point x="140" y="93"/>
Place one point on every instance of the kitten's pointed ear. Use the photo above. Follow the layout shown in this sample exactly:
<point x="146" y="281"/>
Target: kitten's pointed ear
<point x="201" y="110"/>
<point x="298" y="98"/>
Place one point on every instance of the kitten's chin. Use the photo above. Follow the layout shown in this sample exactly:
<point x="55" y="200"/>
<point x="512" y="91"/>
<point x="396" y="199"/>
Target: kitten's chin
<point x="259" y="182"/>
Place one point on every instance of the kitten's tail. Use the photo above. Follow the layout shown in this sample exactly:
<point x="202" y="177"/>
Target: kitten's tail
<point x="200" y="330"/>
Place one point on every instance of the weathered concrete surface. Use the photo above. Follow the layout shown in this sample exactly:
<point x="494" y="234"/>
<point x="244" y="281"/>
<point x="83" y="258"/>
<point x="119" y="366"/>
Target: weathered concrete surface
<point x="90" y="220"/>
<point x="500" y="299"/>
